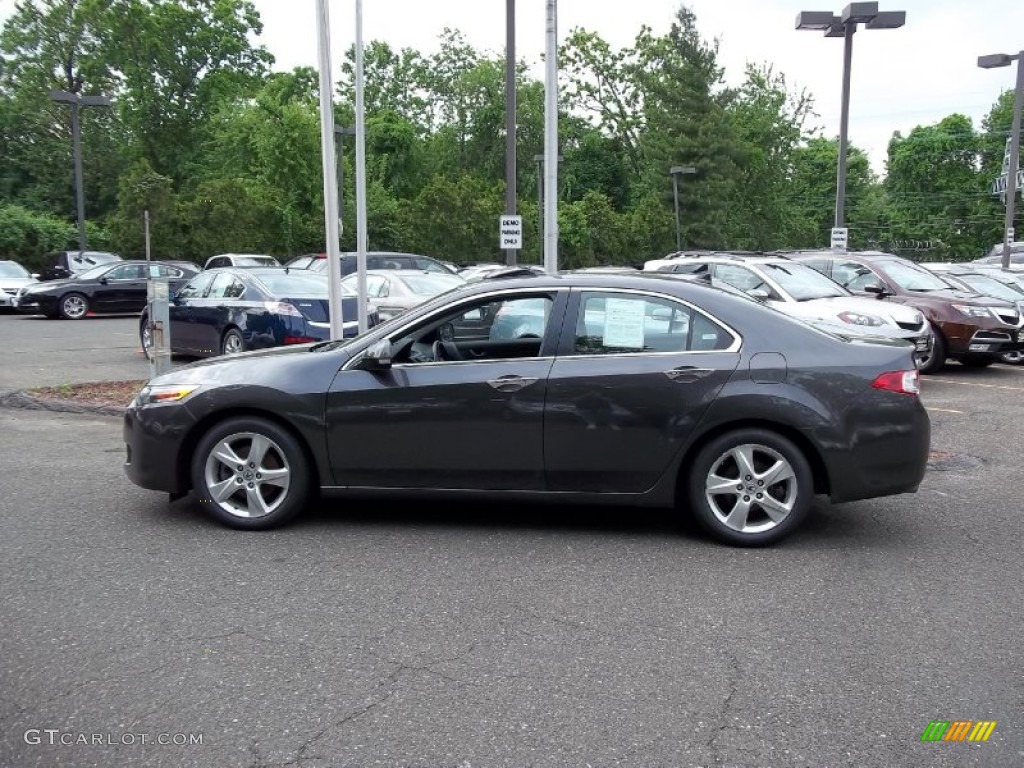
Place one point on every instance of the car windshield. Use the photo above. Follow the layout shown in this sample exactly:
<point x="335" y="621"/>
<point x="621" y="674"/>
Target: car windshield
<point x="911" y="277"/>
<point x="255" y="261"/>
<point x="802" y="282"/>
<point x="92" y="274"/>
<point x="85" y="260"/>
<point x="432" y="284"/>
<point x="991" y="287"/>
<point x="291" y="284"/>
<point x="12" y="269"/>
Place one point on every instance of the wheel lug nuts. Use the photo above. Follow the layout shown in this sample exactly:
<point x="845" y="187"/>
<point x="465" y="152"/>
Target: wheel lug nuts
<point x="240" y="467"/>
<point x="739" y="487"/>
<point x="238" y="480"/>
<point x="746" y="498"/>
<point x="259" y="476"/>
<point x="749" y="477"/>
<point x="251" y="485"/>
<point x="760" y="495"/>
<point x="251" y="464"/>
<point x="760" y="482"/>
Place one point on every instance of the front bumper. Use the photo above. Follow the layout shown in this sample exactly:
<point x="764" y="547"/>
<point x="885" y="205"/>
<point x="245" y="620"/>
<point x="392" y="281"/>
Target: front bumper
<point x="986" y="337"/>
<point x="997" y="342"/>
<point x="154" y="437"/>
<point x="34" y="303"/>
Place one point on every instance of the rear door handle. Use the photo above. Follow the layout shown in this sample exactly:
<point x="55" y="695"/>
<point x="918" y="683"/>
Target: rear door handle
<point x="687" y="374"/>
<point x="511" y="382"/>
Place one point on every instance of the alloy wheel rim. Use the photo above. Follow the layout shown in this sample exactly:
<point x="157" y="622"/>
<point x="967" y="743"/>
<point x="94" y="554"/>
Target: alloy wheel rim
<point x="232" y="344"/>
<point x="74" y="306"/>
<point x="751" y="488"/>
<point x="147" y="339"/>
<point x="247" y="475"/>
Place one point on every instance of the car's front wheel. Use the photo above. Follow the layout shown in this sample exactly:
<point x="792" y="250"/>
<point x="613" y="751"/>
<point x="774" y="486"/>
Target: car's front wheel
<point x="934" y="359"/>
<point x="750" y="487"/>
<point x="74" y="306"/>
<point x="1013" y="358"/>
<point x="250" y="473"/>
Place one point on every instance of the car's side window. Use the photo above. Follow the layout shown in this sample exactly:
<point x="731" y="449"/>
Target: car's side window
<point x="613" y="324"/>
<point x="376" y="286"/>
<point x="125" y="272"/>
<point x="489" y="329"/>
<point x="427" y="265"/>
<point x="197" y="287"/>
<point x="226" y="286"/>
<point x="742" y="278"/>
<point x="853" y="276"/>
<point x="688" y="267"/>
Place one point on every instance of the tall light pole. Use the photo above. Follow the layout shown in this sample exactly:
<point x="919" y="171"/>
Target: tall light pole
<point x="510" y="118"/>
<point x="551" y="139"/>
<point x="675" y="172"/>
<point x="991" y="62"/>
<point x="340" y="132"/>
<point x="77" y="101"/>
<point x="331" y="222"/>
<point x="844" y="25"/>
<point x="361" y="233"/>
<point x="539" y="160"/>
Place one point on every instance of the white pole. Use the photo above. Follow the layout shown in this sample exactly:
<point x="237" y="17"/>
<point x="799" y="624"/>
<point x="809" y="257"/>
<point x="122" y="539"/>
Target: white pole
<point x="146" y="220"/>
<point x="323" y="28"/>
<point x="360" y="173"/>
<point x="551" y="141"/>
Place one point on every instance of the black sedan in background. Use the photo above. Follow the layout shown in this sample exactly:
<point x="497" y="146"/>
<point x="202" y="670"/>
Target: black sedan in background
<point x="109" y="288"/>
<point x="615" y="388"/>
<point x="234" y="309"/>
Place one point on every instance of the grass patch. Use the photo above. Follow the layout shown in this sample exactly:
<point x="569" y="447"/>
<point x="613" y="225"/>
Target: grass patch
<point x="118" y="393"/>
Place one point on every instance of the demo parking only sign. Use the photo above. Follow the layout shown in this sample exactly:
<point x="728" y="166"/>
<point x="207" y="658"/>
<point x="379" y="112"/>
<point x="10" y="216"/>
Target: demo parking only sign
<point x="510" y="233"/>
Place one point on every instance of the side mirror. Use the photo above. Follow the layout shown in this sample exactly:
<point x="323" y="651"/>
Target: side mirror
<point x="759" y="293"/>
<point x="377" y="357"/>
<point x="35" y="275"/>
<point x="876" y="288"/>
<point x="103" y="281"/>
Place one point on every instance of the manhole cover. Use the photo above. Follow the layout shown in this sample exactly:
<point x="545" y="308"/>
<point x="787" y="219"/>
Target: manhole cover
<point x="944" y="461"/>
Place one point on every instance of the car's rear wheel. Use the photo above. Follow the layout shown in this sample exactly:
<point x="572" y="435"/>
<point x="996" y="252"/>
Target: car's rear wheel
<point x="934" y="360"/>
<point x="250" y="473"/>
<point x="750" y="487"/>
<point x="232" y="343"/>
<point x="146" y="337"/>
<point x="74" y="306"/>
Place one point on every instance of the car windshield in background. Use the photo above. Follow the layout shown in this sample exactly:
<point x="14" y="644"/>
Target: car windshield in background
<point x="432" y="284"/>
<point x="292" y="284"/>
<point x="910" y="277"/>
<point x="87" y="260"/>
<point x="12" y="269"/>
<point x="992" y="287"/>
<point x="802" y="282"/>
<point x="92" y="274"/>
<point x="255" y="261"/>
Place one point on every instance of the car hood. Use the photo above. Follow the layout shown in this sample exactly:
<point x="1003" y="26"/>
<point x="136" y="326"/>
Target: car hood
<point x="240" y="367"/>
<point x="12" y="283"/>
<point x="960" y="297"/>
<point x="830" y="308"/>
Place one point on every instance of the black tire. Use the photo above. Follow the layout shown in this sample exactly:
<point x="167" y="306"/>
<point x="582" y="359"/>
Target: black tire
<point x="73" y="306"/>
<point x="794" y="493"/>
<point x="213" y="479"/>
<point x="232" y="342"/>
<point x="937" y="360"/>
<point x="973" y="361"/>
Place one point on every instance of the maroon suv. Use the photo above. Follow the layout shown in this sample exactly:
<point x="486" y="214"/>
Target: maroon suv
<point x="970" y="328"/>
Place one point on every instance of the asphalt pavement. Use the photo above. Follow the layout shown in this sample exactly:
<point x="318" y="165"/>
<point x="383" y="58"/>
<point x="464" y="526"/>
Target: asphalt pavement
<point x="482" y="635"/>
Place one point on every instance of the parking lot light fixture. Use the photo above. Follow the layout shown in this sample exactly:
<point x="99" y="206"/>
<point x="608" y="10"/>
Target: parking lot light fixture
<point x="77" y="101"/>
<point x="844" y="25"/>
<point x="675" y="172"/>
<point x="994" y="61"/>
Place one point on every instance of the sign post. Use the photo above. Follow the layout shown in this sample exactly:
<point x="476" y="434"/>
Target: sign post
<point x="840" y="238"/>
<point x="510" y="233"/>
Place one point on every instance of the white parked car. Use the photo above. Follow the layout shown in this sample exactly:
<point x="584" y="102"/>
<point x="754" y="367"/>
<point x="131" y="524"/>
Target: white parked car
<point x="392" y="292"/>
<point x="13" y="277"/>
<point x="800" y="291"/>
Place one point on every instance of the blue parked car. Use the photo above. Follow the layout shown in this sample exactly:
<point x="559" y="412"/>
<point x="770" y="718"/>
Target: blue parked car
<point x="231" y="310"/>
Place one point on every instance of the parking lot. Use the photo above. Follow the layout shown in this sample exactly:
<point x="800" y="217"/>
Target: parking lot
<point x="482" y="635"/>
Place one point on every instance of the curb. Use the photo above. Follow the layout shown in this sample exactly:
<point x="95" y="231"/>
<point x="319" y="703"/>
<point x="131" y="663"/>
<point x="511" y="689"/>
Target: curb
<point x="20" y="399"/>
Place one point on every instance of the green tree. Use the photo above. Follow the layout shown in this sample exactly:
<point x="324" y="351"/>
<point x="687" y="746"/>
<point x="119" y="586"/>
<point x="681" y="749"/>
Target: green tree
<point x="812" y="191"/>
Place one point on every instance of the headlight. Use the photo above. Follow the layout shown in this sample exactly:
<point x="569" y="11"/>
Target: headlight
<point x="971" y="311"/>
<point x="164" y="393"/>
<point x="856" y="318"/>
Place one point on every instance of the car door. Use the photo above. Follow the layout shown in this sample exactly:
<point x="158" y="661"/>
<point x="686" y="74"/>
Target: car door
<point x="213" y="311"/>
<point x="181" y="313"/>
<point x="119" y="288"/>
<point x="633" y="376"/>
<point x="434" y="422"/>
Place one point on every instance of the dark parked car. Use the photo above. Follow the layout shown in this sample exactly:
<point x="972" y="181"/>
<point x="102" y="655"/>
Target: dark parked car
<point x="973" y="329"/>
<point x="111" y="288"/>
<point x="383" y="260"/>
<point x="231" y="310"/>
<point x="61" y="264"/>
<point x="641" y="390"/>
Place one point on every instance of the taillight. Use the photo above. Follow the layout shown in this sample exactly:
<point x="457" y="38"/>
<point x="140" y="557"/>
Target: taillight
<point x="901" y="382"/>
<point x="281" y="308"/>
<point x="299" y="339"/>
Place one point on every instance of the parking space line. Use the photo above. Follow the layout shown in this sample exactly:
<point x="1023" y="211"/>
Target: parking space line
<point x="943" y="410"/>
<point x="976" y="384"/>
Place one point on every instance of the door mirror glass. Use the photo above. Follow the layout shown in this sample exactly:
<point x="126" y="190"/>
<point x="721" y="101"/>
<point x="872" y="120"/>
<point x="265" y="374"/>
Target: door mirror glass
<point x="103" y="281"/>
<point x="377" y="357"/>
<point x="759" y="293"/>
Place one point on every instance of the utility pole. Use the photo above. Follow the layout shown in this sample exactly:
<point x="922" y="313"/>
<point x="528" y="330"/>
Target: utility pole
<point x="511" y="191"/>
<point x="551" y="140"/>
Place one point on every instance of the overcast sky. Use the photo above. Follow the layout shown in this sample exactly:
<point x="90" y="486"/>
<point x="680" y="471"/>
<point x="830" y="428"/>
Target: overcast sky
<point x="901" y="78"/>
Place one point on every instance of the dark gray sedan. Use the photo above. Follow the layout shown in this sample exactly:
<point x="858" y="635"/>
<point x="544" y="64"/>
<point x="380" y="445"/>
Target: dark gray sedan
<point x="615" y="388"/>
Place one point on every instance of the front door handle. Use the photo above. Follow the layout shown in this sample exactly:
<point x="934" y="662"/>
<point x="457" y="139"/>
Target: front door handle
<point x="687" y="374"/>
<point x="511" y="382"/>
